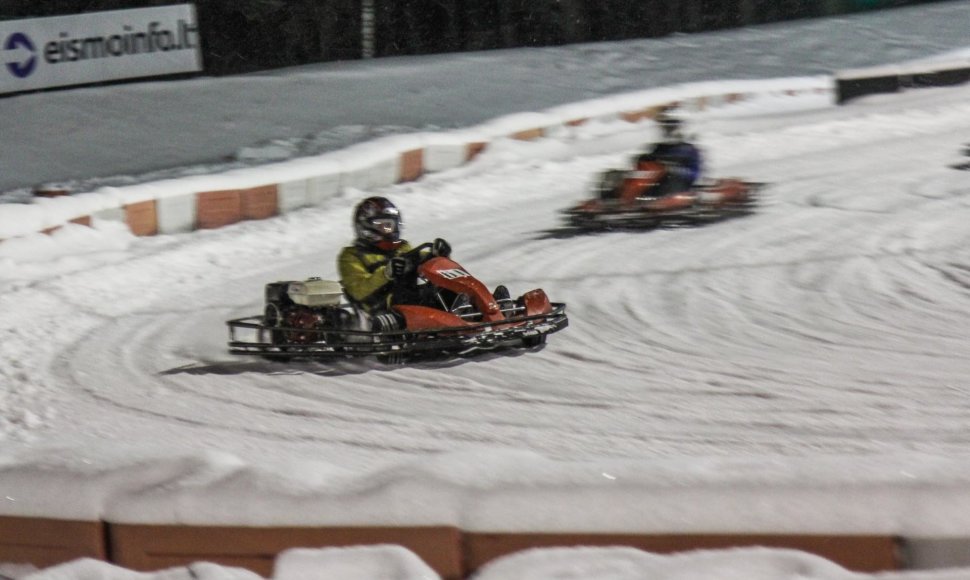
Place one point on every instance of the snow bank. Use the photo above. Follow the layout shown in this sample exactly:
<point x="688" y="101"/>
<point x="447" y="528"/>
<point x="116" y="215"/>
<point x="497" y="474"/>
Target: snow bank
<point x="376" y="163"/>
<point x="489" y="489"/>
<point x="356" y="563"/>
<point x="610" y="563"/>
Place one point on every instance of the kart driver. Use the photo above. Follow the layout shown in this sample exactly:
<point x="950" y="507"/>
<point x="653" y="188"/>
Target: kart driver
<point x="680" y="158"/>
<point x="376" y="270"/>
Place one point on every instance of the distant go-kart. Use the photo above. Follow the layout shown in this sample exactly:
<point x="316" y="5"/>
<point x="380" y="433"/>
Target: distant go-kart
<point x="628" y="198"/>
<point x="314" y="319"/>
<point x="963" y="165"/>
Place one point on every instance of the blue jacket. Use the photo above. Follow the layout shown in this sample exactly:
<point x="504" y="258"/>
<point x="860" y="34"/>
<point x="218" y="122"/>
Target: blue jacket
<point x="684" y="157"/>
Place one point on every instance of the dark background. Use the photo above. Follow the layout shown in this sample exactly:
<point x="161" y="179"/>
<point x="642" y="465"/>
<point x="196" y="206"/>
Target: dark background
<point x="248" y="35"/>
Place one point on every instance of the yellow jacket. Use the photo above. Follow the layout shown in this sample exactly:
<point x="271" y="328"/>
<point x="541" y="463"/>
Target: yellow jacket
<point x="363" y="273"/>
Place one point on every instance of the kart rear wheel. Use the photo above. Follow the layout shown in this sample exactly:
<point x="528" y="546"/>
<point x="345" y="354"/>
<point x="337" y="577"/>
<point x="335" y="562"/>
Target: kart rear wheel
<point x="609" y="183"/>
<point x="273" y="318"/>
<point x="534" y="340"/>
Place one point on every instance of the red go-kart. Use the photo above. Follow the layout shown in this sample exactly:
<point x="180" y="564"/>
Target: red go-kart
<point x="637" y="198"/>
<point x="454" y="313"/>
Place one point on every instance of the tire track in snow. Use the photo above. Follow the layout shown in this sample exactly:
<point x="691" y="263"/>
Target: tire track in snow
<point x="827" y="322"/>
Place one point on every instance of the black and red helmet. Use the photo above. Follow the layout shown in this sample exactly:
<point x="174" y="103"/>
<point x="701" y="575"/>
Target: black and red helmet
<point x="377" y="222"/>
<point x="671" y="126"/>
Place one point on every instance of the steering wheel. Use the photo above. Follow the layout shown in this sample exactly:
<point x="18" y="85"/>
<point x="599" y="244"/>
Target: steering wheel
<point x="419" y="254"/>
<point x="414" y="254"/>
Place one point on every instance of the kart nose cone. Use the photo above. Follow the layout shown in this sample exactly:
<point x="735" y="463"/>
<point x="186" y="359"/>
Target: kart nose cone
<point x="492" y="307"/>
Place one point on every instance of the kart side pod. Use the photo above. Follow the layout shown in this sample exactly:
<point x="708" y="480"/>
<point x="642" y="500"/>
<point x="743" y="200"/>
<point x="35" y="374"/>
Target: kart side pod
<point x="536" y="302"/>
<point x="424" y="318"/>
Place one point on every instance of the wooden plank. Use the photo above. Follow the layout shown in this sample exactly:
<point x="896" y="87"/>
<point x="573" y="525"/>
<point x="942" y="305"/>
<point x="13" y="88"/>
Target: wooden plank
<point x="155" y="547"/>
<point x="412" y="165"/>
<point x="259" y="203"/>
<point x="474" y="149"/>
<point x="142" y="218"/>
<point x="46" y="542"/>
<point x="529" y="134"/>
<point x="215" y="209"/>
<point x="639" y="115"/>
<point x="860" y="553"/>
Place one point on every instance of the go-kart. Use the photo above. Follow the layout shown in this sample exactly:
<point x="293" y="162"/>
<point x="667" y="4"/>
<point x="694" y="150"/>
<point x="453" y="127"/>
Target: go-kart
<point x="626" y="198"/>
<point x="963" y="165"/>
<point x="452" y="313"/>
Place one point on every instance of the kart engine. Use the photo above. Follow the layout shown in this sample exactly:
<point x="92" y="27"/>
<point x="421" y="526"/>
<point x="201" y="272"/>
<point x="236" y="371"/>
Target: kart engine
<point x="301" y="312"/>
<point x="305" y="319"/>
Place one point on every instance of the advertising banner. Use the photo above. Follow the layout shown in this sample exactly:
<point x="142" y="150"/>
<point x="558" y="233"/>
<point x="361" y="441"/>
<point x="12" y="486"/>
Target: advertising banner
<point x="39" y="53"/>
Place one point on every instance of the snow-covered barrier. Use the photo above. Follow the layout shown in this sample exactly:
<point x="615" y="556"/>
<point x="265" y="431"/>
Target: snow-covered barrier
<point x="156" y="510"/>
<point x="198" y="202"/>
<point x="615" y="562"/>
<point x="855" y="83"/>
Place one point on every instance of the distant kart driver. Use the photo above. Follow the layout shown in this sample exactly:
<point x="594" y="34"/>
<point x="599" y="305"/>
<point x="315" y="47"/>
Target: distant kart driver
<point x="680" y="158"/>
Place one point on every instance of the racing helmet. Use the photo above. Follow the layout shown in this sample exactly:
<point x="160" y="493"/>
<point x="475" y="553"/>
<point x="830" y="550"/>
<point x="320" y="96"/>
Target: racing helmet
<point x="671" y="126"/>
<point x="377" y="222"/>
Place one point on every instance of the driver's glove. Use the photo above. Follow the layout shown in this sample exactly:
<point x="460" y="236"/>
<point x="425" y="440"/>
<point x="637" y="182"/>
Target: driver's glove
<point x="397" y="267"/>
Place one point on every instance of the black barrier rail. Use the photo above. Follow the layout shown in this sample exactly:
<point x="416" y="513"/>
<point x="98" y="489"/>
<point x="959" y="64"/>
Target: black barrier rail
<point x="854" y="84"/>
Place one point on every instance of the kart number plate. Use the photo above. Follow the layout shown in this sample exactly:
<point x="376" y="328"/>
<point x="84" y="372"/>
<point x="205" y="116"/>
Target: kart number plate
<point x="453" y="273"/>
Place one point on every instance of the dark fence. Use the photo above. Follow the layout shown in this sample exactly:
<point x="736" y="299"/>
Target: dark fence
<point x="248" y="35"/>
<point x="854" y="84"/>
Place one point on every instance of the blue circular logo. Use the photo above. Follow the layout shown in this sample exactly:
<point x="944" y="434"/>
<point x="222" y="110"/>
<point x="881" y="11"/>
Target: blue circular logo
<point x="23" y="68"/>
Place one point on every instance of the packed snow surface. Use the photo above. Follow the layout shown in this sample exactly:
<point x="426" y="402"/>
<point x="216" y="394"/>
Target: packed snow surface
<point x="803" y="369"/>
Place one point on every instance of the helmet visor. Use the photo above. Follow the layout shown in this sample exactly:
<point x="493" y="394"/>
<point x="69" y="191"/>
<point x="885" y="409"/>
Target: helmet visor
<point x="384" y="225"/>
